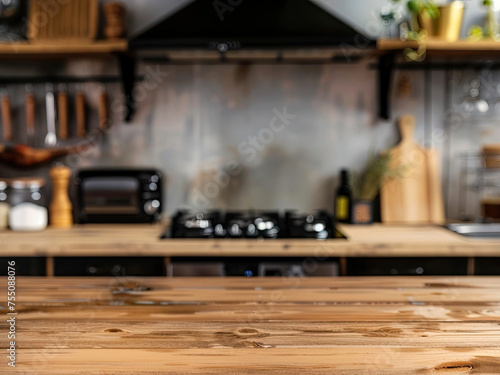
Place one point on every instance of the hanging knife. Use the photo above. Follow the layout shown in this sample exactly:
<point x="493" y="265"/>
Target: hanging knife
<point x="30" y="114"/>
<point x="80" y="113"/>
<point x="6" y="116"/>
<point x="62" y="106"/>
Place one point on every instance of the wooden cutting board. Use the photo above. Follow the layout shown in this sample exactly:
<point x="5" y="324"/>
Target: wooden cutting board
<point x="436" y="202"/>
<point x="415" y="196"/>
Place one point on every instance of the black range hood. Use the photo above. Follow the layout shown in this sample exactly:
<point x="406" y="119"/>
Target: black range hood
<point x="225" y="25"/>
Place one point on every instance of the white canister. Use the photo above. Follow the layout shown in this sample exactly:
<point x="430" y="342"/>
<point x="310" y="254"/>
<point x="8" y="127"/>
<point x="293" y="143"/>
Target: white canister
<point x="4" y="206"/>
<point x="28" y="211"/>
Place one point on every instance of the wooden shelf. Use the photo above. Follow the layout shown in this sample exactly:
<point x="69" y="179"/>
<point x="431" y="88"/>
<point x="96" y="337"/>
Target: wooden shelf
<point x="436" y="45"/>
<point x="75" y="48"/>
<point x="461" y="54"/>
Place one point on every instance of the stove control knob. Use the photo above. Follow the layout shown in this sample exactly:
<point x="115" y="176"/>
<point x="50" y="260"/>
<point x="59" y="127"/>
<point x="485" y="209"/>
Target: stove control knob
<point x="151" y="207"/>
<point x="235" y="230"/>
<point x="251" y="230"/>
<point x="220" y="231"/>
<point x="222" y="47"/>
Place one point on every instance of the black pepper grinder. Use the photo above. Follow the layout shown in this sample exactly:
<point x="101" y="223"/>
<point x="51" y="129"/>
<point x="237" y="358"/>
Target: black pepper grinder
<point x="343" y="199"/>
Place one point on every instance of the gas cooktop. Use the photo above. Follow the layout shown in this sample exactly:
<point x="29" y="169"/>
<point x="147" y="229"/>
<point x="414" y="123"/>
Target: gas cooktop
<point x="252" y="224"/>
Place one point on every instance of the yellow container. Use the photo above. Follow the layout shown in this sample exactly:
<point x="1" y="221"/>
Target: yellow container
<point x="447" y="26"/>
<point x="450" y="21"/>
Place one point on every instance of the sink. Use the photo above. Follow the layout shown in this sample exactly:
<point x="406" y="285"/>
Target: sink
<point x="476" y="230"/>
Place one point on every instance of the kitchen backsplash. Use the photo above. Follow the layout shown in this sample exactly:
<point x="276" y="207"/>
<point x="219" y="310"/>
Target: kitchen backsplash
<point x="272" y="136"/>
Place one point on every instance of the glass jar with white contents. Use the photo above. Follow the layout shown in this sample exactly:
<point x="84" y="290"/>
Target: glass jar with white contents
<point x="27" y="204"/>
<point x="4" y="206"/>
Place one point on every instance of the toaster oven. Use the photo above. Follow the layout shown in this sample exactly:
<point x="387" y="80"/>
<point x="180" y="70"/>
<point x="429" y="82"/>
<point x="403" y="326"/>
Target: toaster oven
<point x="118" y="196"/>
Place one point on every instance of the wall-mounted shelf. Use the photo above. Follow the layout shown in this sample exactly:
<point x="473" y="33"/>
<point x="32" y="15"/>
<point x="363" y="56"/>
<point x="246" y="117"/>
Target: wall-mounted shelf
<point x="312" y="56"/>
<point x="480" y="54"/>
<point x="465" y="46"/>
<point x="70" y="49"/>
<point x="118" y="49"/>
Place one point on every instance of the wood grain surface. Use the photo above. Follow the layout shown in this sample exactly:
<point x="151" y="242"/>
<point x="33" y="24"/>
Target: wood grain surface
<point x="48" y="48"/>
<point x="436" y="201"/>
<point x="405" y="198"/>
<point x="464" y="46"/>
<point x="143" y="240"/>
<point x="6" y="109"/>
<point x="351" y="325"/>
<point x="80" y="106"/>
<point x="69" y="21"/>
<point x="62" y="114"/>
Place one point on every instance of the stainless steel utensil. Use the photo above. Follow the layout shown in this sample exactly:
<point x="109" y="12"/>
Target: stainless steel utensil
<point x="486" y="230"/>
<point x="50" y="138"/>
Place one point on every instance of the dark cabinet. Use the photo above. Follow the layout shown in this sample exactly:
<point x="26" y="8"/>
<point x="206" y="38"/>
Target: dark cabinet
<point x="487" y="266"/>
<point x="406" y="266"/>
<point x="24" y="266"/>
<point x="254" y="266"/>
<point x="248" y="266"/>
<point x="109" y="266"/>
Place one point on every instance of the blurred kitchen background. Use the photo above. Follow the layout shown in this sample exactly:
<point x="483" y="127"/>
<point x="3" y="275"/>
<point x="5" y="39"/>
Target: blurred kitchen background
<point x="195" y="123"/>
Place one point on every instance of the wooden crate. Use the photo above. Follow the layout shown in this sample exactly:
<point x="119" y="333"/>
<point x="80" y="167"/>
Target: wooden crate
<point x="69" y="21"/>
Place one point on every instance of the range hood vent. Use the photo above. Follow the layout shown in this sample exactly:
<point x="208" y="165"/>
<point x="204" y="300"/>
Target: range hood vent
<point x="222" y="26"/>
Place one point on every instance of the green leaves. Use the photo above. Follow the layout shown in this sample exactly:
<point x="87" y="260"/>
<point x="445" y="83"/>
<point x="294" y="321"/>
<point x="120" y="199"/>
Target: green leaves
<point x="367" y="185"/>
<point x="413" y="6"/>
<point x="432" y="10"/>
<point x="425" y="6"/>
<point x="475" y="32"/>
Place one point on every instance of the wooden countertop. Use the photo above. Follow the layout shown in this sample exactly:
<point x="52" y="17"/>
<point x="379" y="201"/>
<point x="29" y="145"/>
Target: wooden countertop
<point x="378" y="325"/>
<point x="143" y="240"/>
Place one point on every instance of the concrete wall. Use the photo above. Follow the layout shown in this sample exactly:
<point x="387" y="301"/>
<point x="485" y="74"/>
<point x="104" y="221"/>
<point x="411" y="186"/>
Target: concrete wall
<point x="199" y="123"/>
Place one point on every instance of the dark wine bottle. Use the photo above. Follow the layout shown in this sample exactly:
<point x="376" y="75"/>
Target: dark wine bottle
<point x="343" y="199"/>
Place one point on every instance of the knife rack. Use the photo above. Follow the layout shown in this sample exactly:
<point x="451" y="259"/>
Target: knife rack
<point x="75" y="119"/>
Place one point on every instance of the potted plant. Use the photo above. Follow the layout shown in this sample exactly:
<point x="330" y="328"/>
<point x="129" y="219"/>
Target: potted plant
<point x="432" y="18"/>
<point x="367" y="186"/>
<point x="439" y="19"/>
<point x="423" y="14"/>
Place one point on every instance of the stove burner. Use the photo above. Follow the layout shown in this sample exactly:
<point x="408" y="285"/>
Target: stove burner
<point x="189" y="224"/>
<point x="253" y="224"/>
<point x="316" y="224"/>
